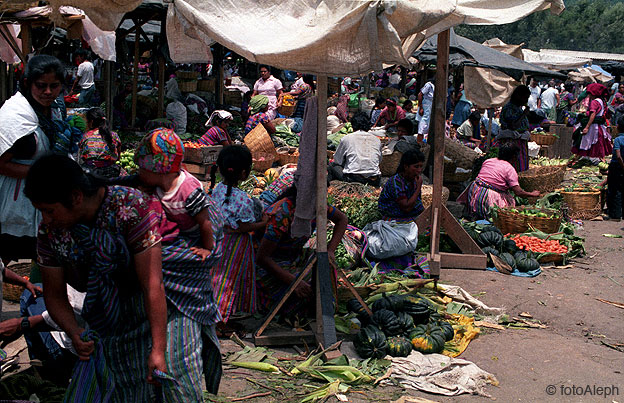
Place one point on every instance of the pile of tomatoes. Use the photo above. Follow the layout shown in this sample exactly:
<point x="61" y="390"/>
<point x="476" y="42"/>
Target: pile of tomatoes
<point x="538" y="245"/>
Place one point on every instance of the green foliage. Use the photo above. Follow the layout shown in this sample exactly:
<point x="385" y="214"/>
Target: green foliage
<point x="586" y="25"/>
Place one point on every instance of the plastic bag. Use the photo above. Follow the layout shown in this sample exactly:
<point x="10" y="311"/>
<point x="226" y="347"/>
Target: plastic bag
<point x="389" y="239"/>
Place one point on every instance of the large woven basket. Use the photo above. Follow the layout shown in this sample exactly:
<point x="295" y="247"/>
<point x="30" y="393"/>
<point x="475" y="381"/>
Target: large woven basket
<point x="206" y="85"/>
<point x="187" y="75"/>
<point x="288" y="105"/>
<point x="389" y="163"/>
<point x="460" y="154"/>
<point x="12" y="292"/>
<point x="287" y="155"/>
<point x="426" y="195"/>
<point x="543" y="139"/>
<point x="514" y="223"/>
<point x="187" y="86"/>
<point x="262" y="161"/>
<point x="545" y="179"/>
<point x="578" y="202"/>
<point x="259" y="141"/>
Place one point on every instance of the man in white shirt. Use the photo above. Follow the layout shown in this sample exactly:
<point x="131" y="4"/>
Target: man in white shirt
<point x="550" y="100"/>
<point x="534" y="99"/>
<point x="84" y="78"/>
<point x="358" y="155"/>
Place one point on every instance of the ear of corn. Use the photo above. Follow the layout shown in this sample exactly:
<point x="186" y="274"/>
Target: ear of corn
<point x="325" y="391"/>
<point x="259" y="366"/>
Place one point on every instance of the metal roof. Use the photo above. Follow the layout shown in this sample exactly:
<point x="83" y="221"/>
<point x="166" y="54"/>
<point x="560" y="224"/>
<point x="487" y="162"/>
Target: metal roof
<point x="585" y="55"/>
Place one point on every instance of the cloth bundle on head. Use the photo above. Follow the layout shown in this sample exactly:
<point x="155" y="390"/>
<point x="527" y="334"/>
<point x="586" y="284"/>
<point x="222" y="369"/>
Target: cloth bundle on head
<point x="257" y="103"/>
<point x="597" y="90"/>
<point x="160" y="151"/>
<point x="220" y="114"/>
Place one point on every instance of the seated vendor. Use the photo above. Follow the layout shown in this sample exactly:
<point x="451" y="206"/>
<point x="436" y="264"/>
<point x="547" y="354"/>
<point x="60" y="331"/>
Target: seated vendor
<point x="538" y="120"/>
<point x="258" y="107"/>
<point x="358" y="155"/>
<point x="279" y="254"/>
<point x="400" y="198"/>
<point x="390" y="115"/>
<point x="405" y="140"/>
<point x="496" y="178"/>
<point x="469" y="133"/>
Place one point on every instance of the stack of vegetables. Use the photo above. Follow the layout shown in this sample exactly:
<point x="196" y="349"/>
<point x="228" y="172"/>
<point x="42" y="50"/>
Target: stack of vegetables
<point x="358" y="202"/>
<point x="400" y="324"/>
<point x="126" y="160"/>
<point x="255" y="184"/>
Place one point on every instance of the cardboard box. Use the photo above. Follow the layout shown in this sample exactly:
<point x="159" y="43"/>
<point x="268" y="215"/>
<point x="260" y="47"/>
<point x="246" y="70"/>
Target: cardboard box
<point x="203" y="155"/>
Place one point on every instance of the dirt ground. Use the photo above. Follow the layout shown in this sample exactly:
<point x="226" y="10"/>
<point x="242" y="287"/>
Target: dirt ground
<point x="531" y="365"/>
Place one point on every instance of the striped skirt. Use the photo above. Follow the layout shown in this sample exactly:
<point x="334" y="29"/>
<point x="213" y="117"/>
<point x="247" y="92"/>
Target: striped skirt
<point x="234" y="277"/>
<point x="482" y="196"/>
<point x="192" y="350"/>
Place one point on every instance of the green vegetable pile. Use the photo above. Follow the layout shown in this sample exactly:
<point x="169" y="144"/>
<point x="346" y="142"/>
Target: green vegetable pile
<point x="283" y="132"/>
<point x="126" y="160"/>
<point x="546" y="162"/>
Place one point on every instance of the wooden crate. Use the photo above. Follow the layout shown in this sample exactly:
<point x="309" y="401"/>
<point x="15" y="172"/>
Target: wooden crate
<point x="203" y="155"/>
<point x="200" y="171"/>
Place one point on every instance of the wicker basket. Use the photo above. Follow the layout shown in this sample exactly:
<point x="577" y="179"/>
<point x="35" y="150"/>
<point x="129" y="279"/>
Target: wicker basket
<point x="579" y="202"/>
<point x="585" y="214"/>
<point x="187" y="75"/>
<point x="543" y="139"/>
<point x="287" y="155"/>
<point x="545" y="179"/>
<point x="206" y="85"/>
<point x="389" y="163"/>
<point x="262" y="161"/>
<point x="515" y="223"/>
<point x="12" y="292"/>
<point x="288" y="110"/>
<point x="426" y="195"/>
<point x="259" y="141"/>
<point x="460" y="154"/>
<point x="187" y="86"/>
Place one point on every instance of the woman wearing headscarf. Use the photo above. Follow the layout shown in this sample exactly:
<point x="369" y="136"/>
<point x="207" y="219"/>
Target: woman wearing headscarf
<point x="390" y="115"/>
<point x="515" y="126"/>
<point x="591" y="137"/>
<point x="217" y="134"/>
<point x="342" y="109"/>
<point x="26" y="133"/>
<point x="271" y="87"/>
<point x="258" y="107"/>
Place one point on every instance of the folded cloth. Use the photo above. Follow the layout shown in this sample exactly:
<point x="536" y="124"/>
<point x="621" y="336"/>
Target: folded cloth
<point x="437" y="373"/>
<point x="305" y="177"/>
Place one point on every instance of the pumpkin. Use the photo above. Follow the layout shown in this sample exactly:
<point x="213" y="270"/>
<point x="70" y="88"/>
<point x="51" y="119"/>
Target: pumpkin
<point x="491" y="238"/>
<point x="520" y="255"/>
<point x="473" y="234"/>
<point x="491" y="228"/>
<point x="406" y="320"/>
<point x="370" y="342"/>
<point x="509" y="246"/>
<point x="399" y="346"/>
<point x="527" y="264"/>
<point x="388" y="322"/>
<point x="382" y="303"/>
<point x="419" y="309"/>
<point x="447" y="330"/>
<point x="353" y="305"/>
<point x="490" y="250"/>
<point x="507" y="258"/>
<point x="427" y="339"/>
<point x="396" y="303"/>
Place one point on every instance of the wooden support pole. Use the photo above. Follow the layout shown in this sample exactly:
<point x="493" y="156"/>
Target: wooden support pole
<point x="217" y="67"/>
<point x="3" y="82"/>
<point x="161" y="70"/>
<point x="439" y="128"/>
<point x="108" y="91"/>
<point x="135" y="75"/>
<point x="26" y="35"/>
<point x="326" y="327"/>
<point x="490" y="113"/>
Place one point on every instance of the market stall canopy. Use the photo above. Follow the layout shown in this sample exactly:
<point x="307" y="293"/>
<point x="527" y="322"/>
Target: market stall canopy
<point x="464" y="51"/>
<point x="332" y="37"/>
<point x="554" y="61"/>
<point x="589" y="75"/>
<point x="488" y="88"/>
<point x="513" y="50"/>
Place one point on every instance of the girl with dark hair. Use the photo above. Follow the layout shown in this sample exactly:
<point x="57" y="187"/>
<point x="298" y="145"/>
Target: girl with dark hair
<point x="26" y="133"/>
<point x="496" y="178"/>
<point x="515" y="125"/>
<point x="187" y="262"/>
<point x="99" y="148"/>
<point x="400" y="198"/>
<point x="234" y="277"/>
<point x="106" y="242"/>
<point x="380" y="104"/>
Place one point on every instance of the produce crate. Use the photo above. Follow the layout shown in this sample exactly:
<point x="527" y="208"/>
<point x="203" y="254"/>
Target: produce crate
<point x="202" y="155"/>
<point x="200" y="171"/>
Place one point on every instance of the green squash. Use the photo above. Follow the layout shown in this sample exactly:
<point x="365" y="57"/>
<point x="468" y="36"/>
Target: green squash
<point x="473" y="233"/>
<point x="353" y="305"/>
<point x="521" y="254"/>
<point x="508" y="259"/>
<point x="490" y="250"/>
<point x="527" y="264"/>
<point x="447" y="330"/>
<point x="418" y="308"/>
<point x="406" y="320"/>
<point x="388" y="322"/>
<point x="491" y="228"/>
<point x="427" y="339"/>
<point x="491" y="238"/>
<point x="509" y="246"/>
<point x="370" y="342"/>
<point x="399" y="346"/>
<point x="392" y="303"/>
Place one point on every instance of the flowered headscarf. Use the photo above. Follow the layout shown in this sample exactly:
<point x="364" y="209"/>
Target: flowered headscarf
<point x="160" y="151"/>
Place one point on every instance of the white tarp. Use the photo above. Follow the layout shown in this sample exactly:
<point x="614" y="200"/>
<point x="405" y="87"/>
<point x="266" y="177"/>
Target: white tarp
<point x="553" y="62"/>
<point x="336" y="37"/>
<point x="513" y="50"/>
<point x="7" y="54"/>
<point x="488" y="88"/>
<point x="588" y="75"/>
